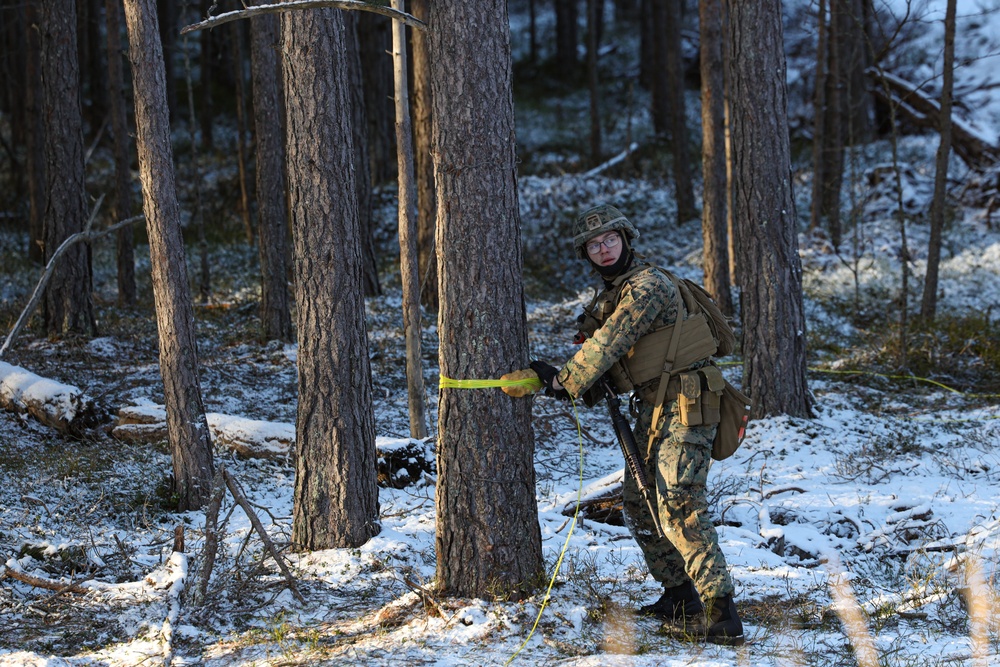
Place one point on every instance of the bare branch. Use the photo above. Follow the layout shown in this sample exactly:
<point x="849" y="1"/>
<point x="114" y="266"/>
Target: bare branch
<point x="260" y="10"/>
<point x="87" y="235"/>
<point x="255" y="522"/>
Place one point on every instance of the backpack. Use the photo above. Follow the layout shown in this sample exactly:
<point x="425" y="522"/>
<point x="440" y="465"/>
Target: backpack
<point x="697" y="299"/>
<point x="733" y="405"/>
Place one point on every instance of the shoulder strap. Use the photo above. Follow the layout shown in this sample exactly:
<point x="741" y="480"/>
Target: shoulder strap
<point x="668" y="366"/>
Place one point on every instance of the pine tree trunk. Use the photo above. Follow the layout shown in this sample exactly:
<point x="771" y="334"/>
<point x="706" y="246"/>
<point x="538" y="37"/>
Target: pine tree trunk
<point x="167" y="15"/>
<point x="375" y="42"/>
<point x="822" y="73"/>
<point x="272" y="203"/>
<point x="774" y="340"/>
<point x="678" y="115"/>
<point x="236" y="33"/>
<point x="187" y="428"/>
<point x="566" y="36"/>
<point x="660" y="86"/>
<point x="426" y="204"/>
<point x="409" y="274"/>
<point x="362" y="170"/>
<point x="488" y="538"/>
<point x="593" y="86"/>
<point x="35" y="141"/>
<point x="125" y="253"/>
<point x="713" y="156"/>
<point x="928" y="306"/>
<point x="68" y="306"/>
<point x="336" y="497"/>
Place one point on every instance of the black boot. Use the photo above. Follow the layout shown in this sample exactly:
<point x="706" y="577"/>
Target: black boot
<point x="675" y="603"/>
<point x="720" y="624"/>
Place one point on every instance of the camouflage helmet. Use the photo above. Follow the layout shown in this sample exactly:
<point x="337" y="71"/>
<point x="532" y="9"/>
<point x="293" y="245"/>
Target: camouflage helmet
<point x="598" y="220"/>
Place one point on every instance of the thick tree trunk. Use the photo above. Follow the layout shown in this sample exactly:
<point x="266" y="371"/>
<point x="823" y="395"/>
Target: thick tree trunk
<point x="488" y="538"/>
<point x="68" y="306"/>
<point x="424" y="162"/>
<point x="362" y="171"/>
<point x="336" y="497"/>
<point x="272" y="202"/>
<point x="928" y="306"/>
<point x="190" y="442"/>
<point x="774" y="336"/>
<point x="125" y="253"/>
<point x="713" y="155"/>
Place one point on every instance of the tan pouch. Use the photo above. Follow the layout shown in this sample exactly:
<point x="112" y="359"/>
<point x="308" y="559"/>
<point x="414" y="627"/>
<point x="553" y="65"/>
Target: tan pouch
<point x="689" y="403"/>
<point x="711" y="396"/>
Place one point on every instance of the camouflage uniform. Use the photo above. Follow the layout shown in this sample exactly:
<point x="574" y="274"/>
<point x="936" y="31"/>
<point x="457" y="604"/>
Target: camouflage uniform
<point x="678" y="460"/>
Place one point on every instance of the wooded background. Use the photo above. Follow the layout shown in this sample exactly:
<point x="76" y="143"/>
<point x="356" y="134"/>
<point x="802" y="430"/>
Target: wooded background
<point x="277" y="129"/>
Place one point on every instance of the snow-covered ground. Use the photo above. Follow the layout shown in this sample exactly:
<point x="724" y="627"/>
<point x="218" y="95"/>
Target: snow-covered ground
<point x="887" y="501"/>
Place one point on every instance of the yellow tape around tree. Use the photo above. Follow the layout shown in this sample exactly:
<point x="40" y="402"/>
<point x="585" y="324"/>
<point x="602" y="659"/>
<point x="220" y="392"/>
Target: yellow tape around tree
<point x="532" y="384"/>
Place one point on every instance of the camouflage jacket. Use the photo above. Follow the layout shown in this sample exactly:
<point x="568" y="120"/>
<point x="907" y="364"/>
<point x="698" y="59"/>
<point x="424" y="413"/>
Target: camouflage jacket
<point x="648" y="301"/>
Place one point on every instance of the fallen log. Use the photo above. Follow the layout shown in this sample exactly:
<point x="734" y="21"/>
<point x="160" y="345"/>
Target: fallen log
<point x="976" y="151"/>
<point x="60" y="406"/>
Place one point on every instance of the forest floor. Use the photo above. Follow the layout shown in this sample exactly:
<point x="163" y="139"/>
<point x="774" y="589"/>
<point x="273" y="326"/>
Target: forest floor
<point x="891" y="488"/>
<point x="886" y="501"/>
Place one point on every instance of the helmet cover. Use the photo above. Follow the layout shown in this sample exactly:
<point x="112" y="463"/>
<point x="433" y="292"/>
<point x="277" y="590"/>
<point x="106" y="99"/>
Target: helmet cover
<point x="598" y="220"/>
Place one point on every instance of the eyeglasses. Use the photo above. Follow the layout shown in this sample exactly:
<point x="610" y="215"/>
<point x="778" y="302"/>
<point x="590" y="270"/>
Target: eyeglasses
<point x="595" y="247"/>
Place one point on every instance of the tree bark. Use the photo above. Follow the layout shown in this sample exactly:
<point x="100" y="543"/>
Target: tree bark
<point x="125" y="253"/>
<point x="822" y="73"/>
<point x="593" y="83"/>
<point x="713" y="156"/>
<point x="190" y="442"/>
<point x="409" y="274"/>
<point x="566" y="36"/>
<point x="774" y="340"/>
<point x="68" y="306"/>
<point x="488" y="538"/>
<point x="336" y="497"/>
<point x="272" y="202"/>
<point x="426" y="204"/>
<point x="236" y="34"/>
<point x="35" y="142"/>
<point x="928" y="305"/>
<point x="678" y="113"/>
<point x="362" y="168"/>
<point x="167" y="15"/>
<point x="375" y="42"/>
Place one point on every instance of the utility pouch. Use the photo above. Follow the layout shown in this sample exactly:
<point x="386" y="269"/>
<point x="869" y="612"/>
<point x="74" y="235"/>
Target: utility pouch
<point x="689" y="401"/>
<point x="713" y="384"/>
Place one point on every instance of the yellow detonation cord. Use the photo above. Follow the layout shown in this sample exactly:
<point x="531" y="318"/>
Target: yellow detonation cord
<point x="534" y="383"/>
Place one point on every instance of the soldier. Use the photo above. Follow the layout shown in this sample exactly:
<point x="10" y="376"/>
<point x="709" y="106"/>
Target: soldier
<point x="636" y="312"/>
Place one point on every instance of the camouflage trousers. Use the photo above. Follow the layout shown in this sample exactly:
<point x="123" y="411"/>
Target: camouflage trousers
<point x="679" y="463"/>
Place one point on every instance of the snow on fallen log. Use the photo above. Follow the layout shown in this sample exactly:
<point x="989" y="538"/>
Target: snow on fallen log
<point x="60" y="406"/>
<point x="250" y="438"/>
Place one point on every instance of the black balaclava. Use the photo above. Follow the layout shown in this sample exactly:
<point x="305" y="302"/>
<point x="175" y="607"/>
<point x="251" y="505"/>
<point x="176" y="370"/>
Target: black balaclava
<point x="609" y="273"/>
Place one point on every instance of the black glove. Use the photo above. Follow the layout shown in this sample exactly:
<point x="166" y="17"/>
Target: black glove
<point x="547" y="374"/>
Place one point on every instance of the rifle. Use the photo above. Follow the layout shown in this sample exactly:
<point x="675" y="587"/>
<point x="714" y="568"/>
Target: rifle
<point x="630" y="450"/>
